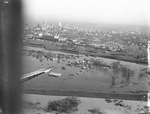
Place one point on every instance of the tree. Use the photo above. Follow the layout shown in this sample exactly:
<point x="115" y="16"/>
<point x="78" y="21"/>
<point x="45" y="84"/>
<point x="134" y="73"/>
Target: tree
<point x="126" y="73"/>
<point x="115" y="67"/>
<point x="144" y="52"/>
<point x="135" y="50"/>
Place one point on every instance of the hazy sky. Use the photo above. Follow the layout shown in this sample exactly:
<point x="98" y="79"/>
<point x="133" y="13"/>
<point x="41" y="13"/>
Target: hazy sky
<point x="107" y="11"/>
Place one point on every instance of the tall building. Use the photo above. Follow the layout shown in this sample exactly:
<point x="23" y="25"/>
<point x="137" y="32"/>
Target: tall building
<point x="60" y="25"/>
<point x="44" y="26"/>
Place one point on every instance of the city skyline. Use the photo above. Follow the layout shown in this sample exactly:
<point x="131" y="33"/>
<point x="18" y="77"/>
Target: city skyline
<point x="132" y="12"/>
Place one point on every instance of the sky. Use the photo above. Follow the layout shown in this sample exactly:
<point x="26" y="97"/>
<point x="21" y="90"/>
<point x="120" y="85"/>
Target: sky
<point x="134" y="12"/>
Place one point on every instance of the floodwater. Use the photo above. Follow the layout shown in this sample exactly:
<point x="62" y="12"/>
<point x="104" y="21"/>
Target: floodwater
<point x="75" y="78"/>
<point x="129" y="107"/>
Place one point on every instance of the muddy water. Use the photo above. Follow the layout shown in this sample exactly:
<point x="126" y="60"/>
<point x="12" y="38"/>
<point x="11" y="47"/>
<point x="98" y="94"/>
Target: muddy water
<point x="87" y="79"/>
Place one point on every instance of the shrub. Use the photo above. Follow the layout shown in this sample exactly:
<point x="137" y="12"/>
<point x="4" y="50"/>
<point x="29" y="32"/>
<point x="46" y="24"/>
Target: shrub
<point x="96" y="111"/>
<point x="115" y="67"/>
<point x="142" y="75"/>
<point x="126" y="73"/>
<point x="66" y="105"/>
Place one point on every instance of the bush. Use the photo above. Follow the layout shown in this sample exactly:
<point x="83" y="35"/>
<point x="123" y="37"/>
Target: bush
<point x="126" y="73"/>
<point x="142" y="75"/>
<point x="115" y="67"/>
<point x="66" y="105"/>
<point x="96" y="111"/>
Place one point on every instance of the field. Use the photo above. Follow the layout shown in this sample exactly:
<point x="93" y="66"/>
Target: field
<point x="81" y="74"/>
<point x="38" y="104"/>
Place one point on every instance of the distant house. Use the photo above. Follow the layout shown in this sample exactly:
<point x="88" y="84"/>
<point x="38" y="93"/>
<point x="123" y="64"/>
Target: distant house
<point x="49" y="38"/>
<point x="62" y="39"/>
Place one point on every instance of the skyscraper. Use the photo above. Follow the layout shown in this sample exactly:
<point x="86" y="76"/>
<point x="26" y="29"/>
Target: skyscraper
<point x="60" y="25"/>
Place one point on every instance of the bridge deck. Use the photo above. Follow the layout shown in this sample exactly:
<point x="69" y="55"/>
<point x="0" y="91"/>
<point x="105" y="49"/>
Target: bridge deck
<point x="31" y="75"/>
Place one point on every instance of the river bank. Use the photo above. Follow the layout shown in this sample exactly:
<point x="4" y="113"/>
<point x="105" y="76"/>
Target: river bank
<point x="104" y="55"/>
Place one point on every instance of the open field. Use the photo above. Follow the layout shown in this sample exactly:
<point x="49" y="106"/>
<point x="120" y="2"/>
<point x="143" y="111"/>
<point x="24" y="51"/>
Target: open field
<point x="77" y="77"/>
<point x="37" y="103"/>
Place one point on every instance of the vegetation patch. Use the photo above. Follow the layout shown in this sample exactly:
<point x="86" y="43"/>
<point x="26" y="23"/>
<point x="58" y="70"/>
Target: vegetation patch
<point x="31" y="105"/>
<point x="96" y="111"/>
<point x="66" y="105"/>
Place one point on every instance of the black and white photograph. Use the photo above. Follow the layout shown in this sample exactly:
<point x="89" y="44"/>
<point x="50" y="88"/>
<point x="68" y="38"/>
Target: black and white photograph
<point x="75" y="57"/>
